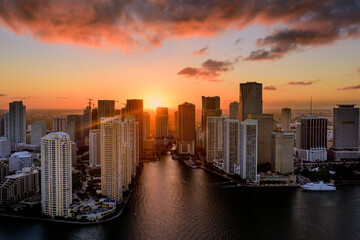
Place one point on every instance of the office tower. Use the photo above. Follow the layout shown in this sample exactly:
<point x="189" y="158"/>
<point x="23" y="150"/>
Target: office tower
<point x="231" y="145"/>
<point x="282" y="156"/>
<point x="135" y="107"/>
<point x="210" y="107"/>
<point x="146" y="123"/>
<point x="215" y="140"/>
<point x="5" y="147"/>
<point x="200" y="138"/>
<point x="95" y="118"/>
<point x="286" y="119"/>
<point x="95" y="148"/>
<point x="20" y="186"/>
<point x="38" y="130"/>
<point x="234" y="110"/>
<point x="313" y="136"/>
<point x="15" y="123"/>
<point x="346" y="143"/>
<point x="111" y="171"/>
<point x="4" y="170"/>
<point x="250" y="100"/>
<point x="2" y="125"/>
<point x="186" y="136"/>
<point x="126" y="165"/>
<point x="75" y="129"/>
<point x="265" y="128"/>
<point x="248" y="150"/>
<point x="56" y="179"/>
<point x="176" y="119"/>
<point x="59" y="124"/>
<point x="162" y="124"/>
<point x="20" y="160"/>
<point x="87" y="120"/>
<point x="106" y="108"/>
<point x="129" y="134"/>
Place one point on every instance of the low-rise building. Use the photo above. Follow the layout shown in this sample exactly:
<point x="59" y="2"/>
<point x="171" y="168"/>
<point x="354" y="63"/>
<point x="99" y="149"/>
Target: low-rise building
<point x="20" y="160"/>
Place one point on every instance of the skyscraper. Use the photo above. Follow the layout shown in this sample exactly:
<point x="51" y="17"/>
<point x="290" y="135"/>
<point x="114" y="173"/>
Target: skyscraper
<point x="346" y="137"/>
<point x="286" y="119"/>
<point x="111" y="179"/>
<point x="87" y="120"/>
<point x="38" y="130"/>
<point x="210" y="107"/>
<point x="186" y="136"/>
<point x="75" y="128"/>
<point x="234" y="110"/>
<point x="162" y="124"/>
<point x="313" y="138"/>
<point x="282" y="156"/>
<point x="250" y="100"/>
<point x="135" y="107"/>
<point x="56" y="179"/>
<point x="248" y="150"/>
<point x="106" y="108"/>
<point x="15" y="123"/>
<point x="265" y="128"/>
<point x="95" y="148"/>
<point x="5" y="147"/>
<point x="59" y="124"/>
<point x="146" y="123"/>
<point x="129" y="134"/>
<point x="215" y="140"/>
<point x="231" y="145"/>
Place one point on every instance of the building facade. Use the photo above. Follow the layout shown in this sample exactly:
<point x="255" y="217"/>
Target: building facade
<point x="135" y="107"/>
<point x="162" y="124"/>
<point x="286" y="119"/>
<point x="5" y="147"/>
<point x="282" y="157"/>
<point x="250" y="100"/>
<point x="20" y="160"/>
<point x="186" y="129"/>
<point x="38" y="130"/>
<point x="95" y="148"/>
<point x="59" y="124"/>
<point x="15" y="123"/>
<point x="234" y="110"/>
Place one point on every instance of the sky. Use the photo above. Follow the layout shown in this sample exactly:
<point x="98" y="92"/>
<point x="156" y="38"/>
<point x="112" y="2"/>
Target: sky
<point x="60" y="53"/>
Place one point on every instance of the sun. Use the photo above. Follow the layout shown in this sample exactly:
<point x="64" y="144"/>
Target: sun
<point x="154" y="103"/>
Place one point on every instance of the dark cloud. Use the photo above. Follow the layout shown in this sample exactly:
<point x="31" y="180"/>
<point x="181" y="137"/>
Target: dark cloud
<point x="350" y="88"/>
<point x="262" y="54"/>
<point x="202" y="51"/>
<point x="139" y="25"/>
<point x="210" y="70"/>
<point x="270" y="88"/>
<point x="303" y="83"/>
<point x="3" y="94"/>
<point x="239" y="40"/>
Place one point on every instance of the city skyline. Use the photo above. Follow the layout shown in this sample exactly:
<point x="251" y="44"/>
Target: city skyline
<point x="211" y="53"/>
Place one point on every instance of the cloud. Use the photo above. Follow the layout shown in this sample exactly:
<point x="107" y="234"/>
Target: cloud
<point x="202" y="51"/>
<point x="261" y="54"/>
<point x="239" y="40"/>
<point x="350" y="87"/>
<point x="270" y="88"/>
<point x="131" y="26"/>
<point x="210" y="70"/>
<point x="23" y="98"/>
<point x="303" y="83"/>
<point x="3" y="95"/>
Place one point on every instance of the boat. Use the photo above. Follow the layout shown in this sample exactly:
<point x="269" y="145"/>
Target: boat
<point x="318" y="186"/>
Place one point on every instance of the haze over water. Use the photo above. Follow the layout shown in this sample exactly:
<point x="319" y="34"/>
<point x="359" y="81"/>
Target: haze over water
<point x="173" y="201"/>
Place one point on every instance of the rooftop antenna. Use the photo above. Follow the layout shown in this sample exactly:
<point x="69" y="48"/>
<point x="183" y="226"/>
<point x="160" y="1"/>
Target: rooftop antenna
<point x="311" y="105"/>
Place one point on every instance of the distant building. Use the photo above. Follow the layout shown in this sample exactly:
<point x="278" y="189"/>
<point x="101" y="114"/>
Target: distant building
<point x="265" y="128"/>
<point x="250" y="100"/>
<point x="210" y="107"/>
<point x="94" y="148"/>
<point x="59" y="124"/>
<point x="176" y="120"/>
<point x="186" y="136"/>
<point x="15" y="123"/>
<point x="87" y="121"/>
<point x="4" y="170"/>
<point x="75" y="128"/>
<point x="313" y="138"/>
<point x="56" y="177"/>
<point x="2" y="125"/>
<point x="231" y="145"/>
<point x="346" y="137"/>
<point x="215" y="140"/>
<point x="95" y="118"/>
<point x="146" y="123"/>
<point x="282" y="157"/>
<point x="135" y="107"/>
<point x="20" y="160"/>
<point x="161" y="125"/>
<point x="38" y="130"/>
<point x="106" y="108"/>
<point x="286" y="119"/>
<point x="234" y="110"/>
<point x="20" y="186"/>
<point x="5" y="147"/>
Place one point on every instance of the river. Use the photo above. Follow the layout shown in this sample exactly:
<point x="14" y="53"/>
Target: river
<point x="173" y="201"/>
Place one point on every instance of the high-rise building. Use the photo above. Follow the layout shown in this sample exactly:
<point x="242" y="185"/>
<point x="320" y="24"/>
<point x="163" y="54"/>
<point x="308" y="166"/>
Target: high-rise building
<point x="56" y="179"/>
<point x="15" y="123"/>
<point x="87" y="121"/>
<point x="265" y="128"/>
<point x="231" y="145"/>
<point x="186" y="136"/>
<point x="313" y="138"/>
<point x="20" y="160"/>
<point x="4" y="170"/>
<point x="210" y="107"/>
<point x="234" y="110"/>
<point x="162" y="124"/>
<point x="126" y="165"/>
<point x="215" y="140"/>
<point x="346" y="137"/>
<point x="129" y="134"/>
<point x="75" y="128"/>
<point x="5" y="147"/>
<point x="95" y="148"/>
<point x="282" y="156"/>
<point x="95" y="118"/>
<point x="38" y="130"/>
<point x="135" y="107"/>
<point x="59" y="124"/>
<point x="146" y="123"/>
<point x="106" y="108"/>
<point x="111" y="179"/>
<point x="286" y="119"/>
<point x="248" y="150"/>
<point x="176" y="120"/>
<point x="2" y="125"/>
<point x="250" y="100"/>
